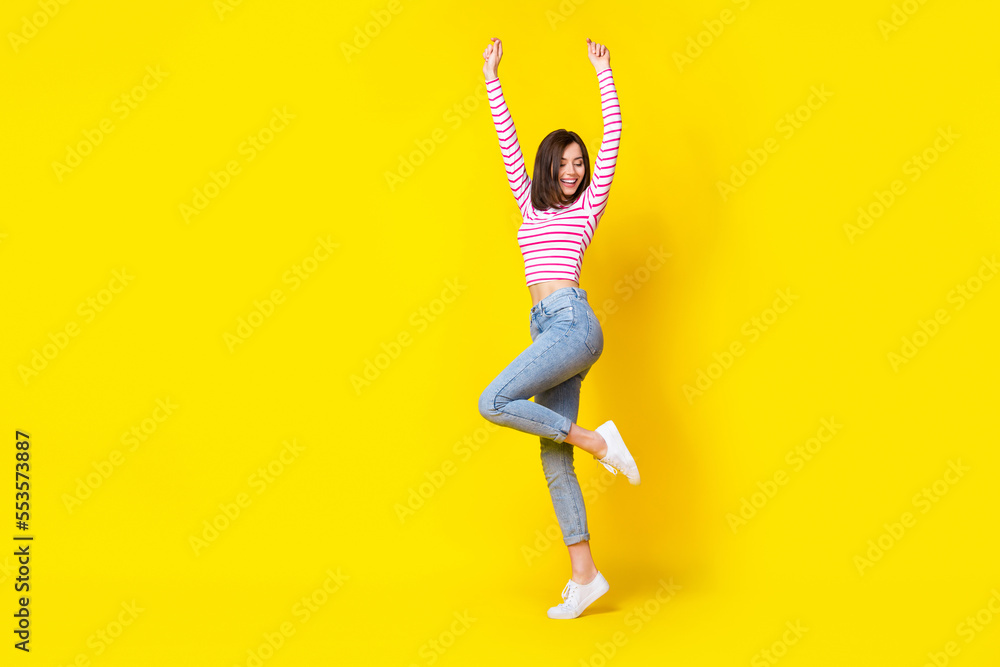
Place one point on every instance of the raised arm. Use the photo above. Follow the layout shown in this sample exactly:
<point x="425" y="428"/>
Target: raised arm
<point x="513" y="159"/>
<point x="599" y="189"/>
<point x="596" y="195"/>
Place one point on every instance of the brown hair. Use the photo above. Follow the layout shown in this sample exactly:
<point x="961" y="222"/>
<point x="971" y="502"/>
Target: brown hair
<point x="545" y="190"/>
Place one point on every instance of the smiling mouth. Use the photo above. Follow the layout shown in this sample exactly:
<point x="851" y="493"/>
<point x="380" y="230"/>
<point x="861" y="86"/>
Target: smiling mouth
<point x="568" y="183"/>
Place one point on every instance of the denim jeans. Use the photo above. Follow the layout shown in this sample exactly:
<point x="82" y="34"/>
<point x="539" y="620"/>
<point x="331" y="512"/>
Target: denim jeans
<point x="566" y="341"/>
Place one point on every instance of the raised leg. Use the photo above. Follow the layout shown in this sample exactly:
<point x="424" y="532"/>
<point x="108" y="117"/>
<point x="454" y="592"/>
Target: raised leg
<point x="551" y="359"/>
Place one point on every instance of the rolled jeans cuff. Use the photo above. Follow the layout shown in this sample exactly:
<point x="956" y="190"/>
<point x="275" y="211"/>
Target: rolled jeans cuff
<point x="563" y="428"/>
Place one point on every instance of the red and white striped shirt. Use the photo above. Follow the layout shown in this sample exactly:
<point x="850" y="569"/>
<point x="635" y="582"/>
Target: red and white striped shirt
<point x="553" y="241"/>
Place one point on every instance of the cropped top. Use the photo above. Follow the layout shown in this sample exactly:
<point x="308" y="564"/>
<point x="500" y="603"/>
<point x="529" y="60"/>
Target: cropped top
<point x="553" y="240"/>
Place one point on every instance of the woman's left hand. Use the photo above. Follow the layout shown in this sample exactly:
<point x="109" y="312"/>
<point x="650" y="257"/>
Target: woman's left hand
<point x="599" y="55"/>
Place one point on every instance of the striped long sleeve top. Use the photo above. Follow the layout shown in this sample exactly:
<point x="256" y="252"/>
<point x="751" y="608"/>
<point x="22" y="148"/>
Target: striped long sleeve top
<point x="553" y="241"/>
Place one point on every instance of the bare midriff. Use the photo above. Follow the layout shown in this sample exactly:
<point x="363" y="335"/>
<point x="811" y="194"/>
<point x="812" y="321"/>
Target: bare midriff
<point x="539" y="291"/>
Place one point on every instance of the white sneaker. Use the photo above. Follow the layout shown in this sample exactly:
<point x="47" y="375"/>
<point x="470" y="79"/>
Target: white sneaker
<point x="577" y="597"/>
<point x="617" y="459"/>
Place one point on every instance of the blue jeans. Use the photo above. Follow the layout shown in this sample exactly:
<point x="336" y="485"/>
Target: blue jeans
<point x="566" y="341"/>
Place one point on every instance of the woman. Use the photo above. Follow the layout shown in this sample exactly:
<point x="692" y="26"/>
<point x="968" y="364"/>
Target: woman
<point x="561" y="209"/>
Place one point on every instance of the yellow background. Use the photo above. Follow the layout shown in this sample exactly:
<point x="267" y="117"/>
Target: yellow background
<point x="480" y="544"/>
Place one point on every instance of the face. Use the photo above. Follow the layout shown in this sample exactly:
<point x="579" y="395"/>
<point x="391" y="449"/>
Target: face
<point x="571" y="169"/>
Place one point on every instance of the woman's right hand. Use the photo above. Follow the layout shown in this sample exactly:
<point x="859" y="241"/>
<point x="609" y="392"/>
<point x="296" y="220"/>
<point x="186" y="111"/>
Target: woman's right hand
<point x="492" y="56"/>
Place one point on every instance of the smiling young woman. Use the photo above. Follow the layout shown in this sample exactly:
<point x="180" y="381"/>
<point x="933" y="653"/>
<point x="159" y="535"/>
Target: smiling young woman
<point x="561" y="208"/>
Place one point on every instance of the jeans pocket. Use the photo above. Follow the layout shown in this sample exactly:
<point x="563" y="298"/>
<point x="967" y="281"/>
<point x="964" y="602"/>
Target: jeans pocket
<point x="560" y="308"/>
<point x="595" y="335"/>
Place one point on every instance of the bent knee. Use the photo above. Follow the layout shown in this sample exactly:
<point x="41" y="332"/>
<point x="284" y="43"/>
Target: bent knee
<point x="488" y="404"/>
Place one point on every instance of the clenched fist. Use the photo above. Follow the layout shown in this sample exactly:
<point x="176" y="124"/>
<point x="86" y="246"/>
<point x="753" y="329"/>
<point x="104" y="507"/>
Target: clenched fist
<point x="599" y="55"/>
<point x="492" y="56"/>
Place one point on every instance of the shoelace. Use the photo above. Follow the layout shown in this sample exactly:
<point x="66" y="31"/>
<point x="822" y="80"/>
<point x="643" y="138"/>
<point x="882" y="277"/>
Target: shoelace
<point x="569" y="592"/>
<point x="614" y="471"/>
<point x="604" y="462"/>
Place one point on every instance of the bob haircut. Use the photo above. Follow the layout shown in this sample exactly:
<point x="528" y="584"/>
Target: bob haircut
<point x="546" y="192"/>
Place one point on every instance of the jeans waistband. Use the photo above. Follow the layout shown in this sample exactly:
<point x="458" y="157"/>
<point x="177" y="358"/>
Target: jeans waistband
<point x="559" y="295"/>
